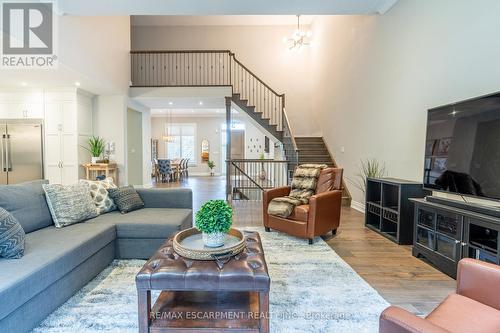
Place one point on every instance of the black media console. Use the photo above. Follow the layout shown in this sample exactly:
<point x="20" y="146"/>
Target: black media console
<point x="446" y="232"/>
<point x="388" y="210"/>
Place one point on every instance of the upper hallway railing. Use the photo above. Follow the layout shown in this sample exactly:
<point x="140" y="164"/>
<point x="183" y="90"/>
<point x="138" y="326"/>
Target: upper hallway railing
<point x="209" y="68"/>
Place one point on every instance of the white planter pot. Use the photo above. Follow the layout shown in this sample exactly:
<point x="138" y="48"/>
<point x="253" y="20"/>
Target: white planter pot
<point x="94" y="159"/>
<point x="214" y="239"/>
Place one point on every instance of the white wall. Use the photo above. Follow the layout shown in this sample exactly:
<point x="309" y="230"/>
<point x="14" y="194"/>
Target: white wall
<point x="110" y="123"/>
<point x="97" y="48"/>
<point x="135" y="146"/>
<point x="260" y="48"/>
<point x="375" y="77"/>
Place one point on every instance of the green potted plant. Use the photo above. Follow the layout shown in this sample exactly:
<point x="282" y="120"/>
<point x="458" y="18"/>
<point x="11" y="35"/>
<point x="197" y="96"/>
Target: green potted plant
<point x="214" y="219"/>
<point x="370" y="168"/>
<point x="95" y="147"/>
<point x="211" y="165"/>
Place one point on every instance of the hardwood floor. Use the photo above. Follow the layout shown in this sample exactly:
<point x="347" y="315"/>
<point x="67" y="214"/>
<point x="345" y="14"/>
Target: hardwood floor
<point x="399" y="277"/>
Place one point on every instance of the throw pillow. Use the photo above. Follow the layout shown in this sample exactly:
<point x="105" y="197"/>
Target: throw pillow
<point x="69" y="204"/>
<point x="11" y="236"/>
<point x="126" y="198"/>
<point x="100" y="195"/>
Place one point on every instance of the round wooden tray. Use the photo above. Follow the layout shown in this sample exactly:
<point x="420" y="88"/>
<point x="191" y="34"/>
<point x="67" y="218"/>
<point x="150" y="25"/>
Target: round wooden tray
<point x="189" y="244"/>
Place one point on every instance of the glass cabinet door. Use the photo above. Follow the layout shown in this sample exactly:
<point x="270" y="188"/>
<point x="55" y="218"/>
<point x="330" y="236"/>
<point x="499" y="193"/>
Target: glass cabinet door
<point x="449" y="224"/>
<point x="448" y="247"/>
<point x="427" y="218"/>
<point x="425" y="237"/>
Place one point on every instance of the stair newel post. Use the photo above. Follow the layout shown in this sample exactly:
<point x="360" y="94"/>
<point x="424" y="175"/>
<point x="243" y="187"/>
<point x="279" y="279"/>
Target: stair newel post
<point x="283" y="111"/>
<point x="228" y="148"/>
<point x="231" y="71"/>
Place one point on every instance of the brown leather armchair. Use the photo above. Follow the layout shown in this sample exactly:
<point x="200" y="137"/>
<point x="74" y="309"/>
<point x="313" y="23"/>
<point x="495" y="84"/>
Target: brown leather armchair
<point x="319" y="217"/>
<point x="475" y="307"/>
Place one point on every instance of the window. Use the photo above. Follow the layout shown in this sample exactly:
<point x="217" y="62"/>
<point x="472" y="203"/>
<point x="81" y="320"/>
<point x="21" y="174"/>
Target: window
<point x="184" y="143"/>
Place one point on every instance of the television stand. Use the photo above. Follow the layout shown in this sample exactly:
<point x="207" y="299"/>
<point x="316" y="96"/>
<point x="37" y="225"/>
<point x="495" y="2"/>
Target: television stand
<point x="445" y="233"/>
<point x="473" y="207"/>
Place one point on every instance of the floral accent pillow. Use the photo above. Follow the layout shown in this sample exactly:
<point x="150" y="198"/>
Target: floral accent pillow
<point x="100" y="195"/>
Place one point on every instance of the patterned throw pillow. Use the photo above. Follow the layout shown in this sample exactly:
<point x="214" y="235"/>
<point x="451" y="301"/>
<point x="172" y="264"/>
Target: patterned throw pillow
<point x="126" y="198"/>
<point x="11" y="236"/>
<point x="99" y="191"/>
<point x="69" y="204"/>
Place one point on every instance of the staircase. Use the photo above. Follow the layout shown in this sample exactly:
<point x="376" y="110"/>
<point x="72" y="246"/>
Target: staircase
<point x="221" y="68"/>
<point x="257" y="116"/>
<point x="314" y="150"/>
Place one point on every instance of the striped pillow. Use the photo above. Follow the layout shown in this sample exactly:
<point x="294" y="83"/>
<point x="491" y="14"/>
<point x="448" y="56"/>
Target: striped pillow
<point x="69" y="204"/>
<point x="11" y="236"/>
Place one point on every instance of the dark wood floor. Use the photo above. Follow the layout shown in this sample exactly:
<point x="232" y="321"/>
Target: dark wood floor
<point x="399" y="277"/>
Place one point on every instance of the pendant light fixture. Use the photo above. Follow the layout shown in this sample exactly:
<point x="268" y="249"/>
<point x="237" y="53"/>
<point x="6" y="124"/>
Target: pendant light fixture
<point x="299" y="38"/>
<point x="167" y="135"/>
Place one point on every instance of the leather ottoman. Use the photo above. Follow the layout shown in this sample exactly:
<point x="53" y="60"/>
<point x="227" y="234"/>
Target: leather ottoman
<point x="205" y="296"/>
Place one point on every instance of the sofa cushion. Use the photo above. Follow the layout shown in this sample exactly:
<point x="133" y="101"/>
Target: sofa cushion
<point x="461" y="314"/>
<point x="36" y="215"/>
<point x="50" y="254"/>
<point x="126" y="199"/>
<point x="69" y="204"/>
<point x="300" y="213"/>
<point x="11" y="236"/>
<point x="148" y="222"/>
<point x="100" y="194"/>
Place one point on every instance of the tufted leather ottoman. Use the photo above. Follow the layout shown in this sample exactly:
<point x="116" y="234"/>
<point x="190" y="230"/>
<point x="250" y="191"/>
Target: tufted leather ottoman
<point x="204" y="296"/>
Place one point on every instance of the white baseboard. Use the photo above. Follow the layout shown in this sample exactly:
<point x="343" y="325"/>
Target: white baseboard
<point x="359" y="206"/>
<point x="202" y="174"/>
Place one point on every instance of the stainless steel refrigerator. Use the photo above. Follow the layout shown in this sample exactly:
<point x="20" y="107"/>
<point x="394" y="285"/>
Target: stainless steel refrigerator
<point x="21" y="150"/>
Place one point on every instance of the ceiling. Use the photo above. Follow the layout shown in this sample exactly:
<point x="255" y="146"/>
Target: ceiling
<point x="182" y="103"/>
<point x="224" y="7"/>
<point x="189" y="112"/>
<point x="225" y="20"/>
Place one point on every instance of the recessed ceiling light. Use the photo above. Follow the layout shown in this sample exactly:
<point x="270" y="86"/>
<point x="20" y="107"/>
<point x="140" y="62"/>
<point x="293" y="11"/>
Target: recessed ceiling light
<point x="200" y="102"/>
<point x="170" y="103"/>
<point x="24" y="84"/>
<point x="77" y="83"/>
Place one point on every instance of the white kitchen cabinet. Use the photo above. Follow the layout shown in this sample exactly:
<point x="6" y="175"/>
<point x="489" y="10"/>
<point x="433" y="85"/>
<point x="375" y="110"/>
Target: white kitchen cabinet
<point x="21" y="104"/>
<point x="68" y="125"/>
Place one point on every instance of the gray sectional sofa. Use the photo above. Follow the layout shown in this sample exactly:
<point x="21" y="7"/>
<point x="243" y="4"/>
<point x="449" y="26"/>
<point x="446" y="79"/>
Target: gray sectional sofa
<point x="58" y="262"/>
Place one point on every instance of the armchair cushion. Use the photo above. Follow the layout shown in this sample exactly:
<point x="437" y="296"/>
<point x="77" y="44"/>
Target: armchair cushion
<point x="460" y="314"/>
<point x="300" y="213"/>
<point x="329" y="179"/>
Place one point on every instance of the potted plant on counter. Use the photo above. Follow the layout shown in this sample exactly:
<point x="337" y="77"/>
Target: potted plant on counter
<point x="211" y="165"/>
<point x="214" y="219"/>
<point x="95" y="147"/>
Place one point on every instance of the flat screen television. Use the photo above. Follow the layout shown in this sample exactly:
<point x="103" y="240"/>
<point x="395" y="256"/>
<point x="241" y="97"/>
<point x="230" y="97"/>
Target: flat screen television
<point x="462" y="148"/>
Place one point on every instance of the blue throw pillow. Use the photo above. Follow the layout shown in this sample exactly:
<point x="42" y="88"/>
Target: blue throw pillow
<point x="11" y="236"/>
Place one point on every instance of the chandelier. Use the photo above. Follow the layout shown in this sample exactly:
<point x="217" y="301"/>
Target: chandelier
<point x="167" y="135"/>
<point x="299" y="38"/>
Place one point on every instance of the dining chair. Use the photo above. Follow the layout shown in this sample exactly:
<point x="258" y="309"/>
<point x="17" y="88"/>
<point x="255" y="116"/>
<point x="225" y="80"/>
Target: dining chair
<point x="165" y="170"/>
<point x="154" y="170"/>
<point x="185" y="169"/>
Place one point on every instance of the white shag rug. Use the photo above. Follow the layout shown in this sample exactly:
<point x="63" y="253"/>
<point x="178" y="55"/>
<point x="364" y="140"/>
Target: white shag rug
<point x="312" y="290"/>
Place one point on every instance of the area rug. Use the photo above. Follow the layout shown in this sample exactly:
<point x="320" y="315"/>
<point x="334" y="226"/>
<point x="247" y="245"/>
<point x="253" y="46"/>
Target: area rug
<point x="312" y="290"/>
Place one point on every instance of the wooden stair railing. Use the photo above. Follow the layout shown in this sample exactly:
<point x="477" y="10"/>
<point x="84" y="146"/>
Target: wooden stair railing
<point x="209" y="68"/>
